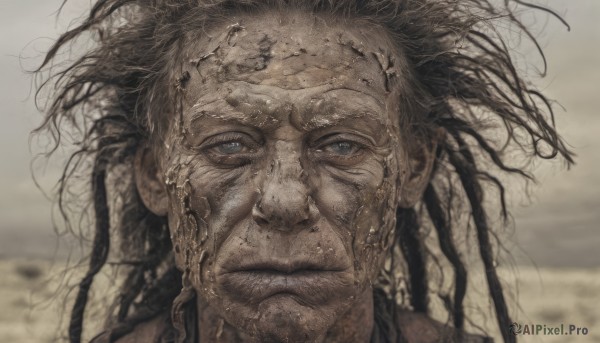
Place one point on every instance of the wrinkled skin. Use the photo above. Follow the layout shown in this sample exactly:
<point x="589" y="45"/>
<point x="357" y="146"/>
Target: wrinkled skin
<point x="282" y="175"/>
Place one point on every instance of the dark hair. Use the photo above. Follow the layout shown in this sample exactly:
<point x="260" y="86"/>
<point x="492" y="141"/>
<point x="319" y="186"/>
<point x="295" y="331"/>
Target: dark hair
<point x="462" y="77"/>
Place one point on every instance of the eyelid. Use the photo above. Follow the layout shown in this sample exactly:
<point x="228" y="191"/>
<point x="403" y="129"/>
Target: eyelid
<point x="226" y="137"/>
<point x="210" y="149"/>
<point x="343" y="136"/>
<point x="361" y="145"/>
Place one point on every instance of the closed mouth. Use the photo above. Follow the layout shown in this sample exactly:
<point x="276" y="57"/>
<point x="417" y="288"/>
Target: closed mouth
<point x="283" y="268"/>
<point x="306" y="280"/>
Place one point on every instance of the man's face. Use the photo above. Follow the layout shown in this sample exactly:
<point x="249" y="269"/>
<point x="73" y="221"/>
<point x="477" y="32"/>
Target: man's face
<point x="283" y="172"/>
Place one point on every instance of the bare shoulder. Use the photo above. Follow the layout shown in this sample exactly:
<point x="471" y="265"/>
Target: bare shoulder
<point x="152" y="331"/>
<point x="419" y="328"/>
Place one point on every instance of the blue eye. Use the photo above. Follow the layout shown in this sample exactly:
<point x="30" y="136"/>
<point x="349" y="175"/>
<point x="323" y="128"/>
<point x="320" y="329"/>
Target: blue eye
<point x="230" y="148"/>
<point x="342" y="148"/>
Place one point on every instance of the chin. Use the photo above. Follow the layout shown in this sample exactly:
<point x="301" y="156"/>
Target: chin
<point x="283" y="318"/>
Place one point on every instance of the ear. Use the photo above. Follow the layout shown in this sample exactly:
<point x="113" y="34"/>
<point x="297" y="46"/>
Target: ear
<point x="150" y="185"/>
<point x="417" y="169"/>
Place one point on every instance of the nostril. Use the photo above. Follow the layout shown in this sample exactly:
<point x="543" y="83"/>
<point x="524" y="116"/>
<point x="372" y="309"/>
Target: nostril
<point x="261" y="221"/>
<point x="286" y="212"/>
<point x="258" y="216"/>
<point x="304" y="223"/>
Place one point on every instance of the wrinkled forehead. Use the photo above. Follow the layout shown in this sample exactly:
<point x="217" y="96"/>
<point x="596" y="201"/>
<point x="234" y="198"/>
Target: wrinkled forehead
<point x="291" y="51"/>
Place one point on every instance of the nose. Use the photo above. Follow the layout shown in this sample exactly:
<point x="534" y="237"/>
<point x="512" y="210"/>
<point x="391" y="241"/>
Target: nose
<point x="285" y="203"/>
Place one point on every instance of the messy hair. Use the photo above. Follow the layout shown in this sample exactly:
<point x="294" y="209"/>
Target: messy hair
<point x="463" y="79"/>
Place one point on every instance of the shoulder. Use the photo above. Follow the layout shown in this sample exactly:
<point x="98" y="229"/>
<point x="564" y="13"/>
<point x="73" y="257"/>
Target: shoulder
<point x="152" y="331"/>
<point x="419" y="328"/>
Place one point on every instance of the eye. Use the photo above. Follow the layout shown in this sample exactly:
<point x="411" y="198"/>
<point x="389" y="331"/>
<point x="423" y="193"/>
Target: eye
<point x="230" y="143"/>
<point x="229" y="148"/>
<point x="342" y="148"/>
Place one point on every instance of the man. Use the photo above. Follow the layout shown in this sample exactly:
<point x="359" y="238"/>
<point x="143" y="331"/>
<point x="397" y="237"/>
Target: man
<point x="275" y="159"/>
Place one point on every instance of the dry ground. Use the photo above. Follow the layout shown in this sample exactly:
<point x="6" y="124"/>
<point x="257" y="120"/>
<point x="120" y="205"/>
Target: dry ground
<point x="546" y="296"/>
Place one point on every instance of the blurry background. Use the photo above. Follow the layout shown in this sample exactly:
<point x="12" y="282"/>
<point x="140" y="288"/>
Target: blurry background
<point x="557" y="227"/>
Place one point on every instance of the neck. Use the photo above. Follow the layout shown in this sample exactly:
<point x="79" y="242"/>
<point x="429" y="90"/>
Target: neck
<point x="356" y="325"/>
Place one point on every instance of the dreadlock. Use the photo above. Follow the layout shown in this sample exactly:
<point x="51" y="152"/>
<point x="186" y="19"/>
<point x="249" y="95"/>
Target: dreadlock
<point x="115" y="95"/>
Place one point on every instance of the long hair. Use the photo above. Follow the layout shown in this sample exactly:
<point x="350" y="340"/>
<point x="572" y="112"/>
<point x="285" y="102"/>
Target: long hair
<point x="463" y="80"/>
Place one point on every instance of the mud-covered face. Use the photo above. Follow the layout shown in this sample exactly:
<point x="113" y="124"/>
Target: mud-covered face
<point x="283" y="172"/>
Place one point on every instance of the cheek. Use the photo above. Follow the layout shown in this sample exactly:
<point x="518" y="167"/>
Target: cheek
<point x="199" y="198"/>
<point x="188" y="215"/>
<point x="365" y="205"/>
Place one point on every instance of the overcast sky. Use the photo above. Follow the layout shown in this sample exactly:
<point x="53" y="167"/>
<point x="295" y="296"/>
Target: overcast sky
<point x="559" y="228"/>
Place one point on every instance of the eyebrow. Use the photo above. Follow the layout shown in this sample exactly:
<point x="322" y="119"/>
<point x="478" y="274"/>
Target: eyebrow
<point x="336" y="112"/>
<point x="341" y="118"/>
<point x="221" y="111"/>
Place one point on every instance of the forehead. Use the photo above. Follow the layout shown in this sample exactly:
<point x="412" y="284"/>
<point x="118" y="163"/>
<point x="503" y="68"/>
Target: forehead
<point x="296" y="56"/>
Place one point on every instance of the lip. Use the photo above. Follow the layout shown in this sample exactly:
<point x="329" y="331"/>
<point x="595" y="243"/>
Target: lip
<point x="284" y="267"/>
<point x="312" y="286"/>
<point x="307" y="280"/>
